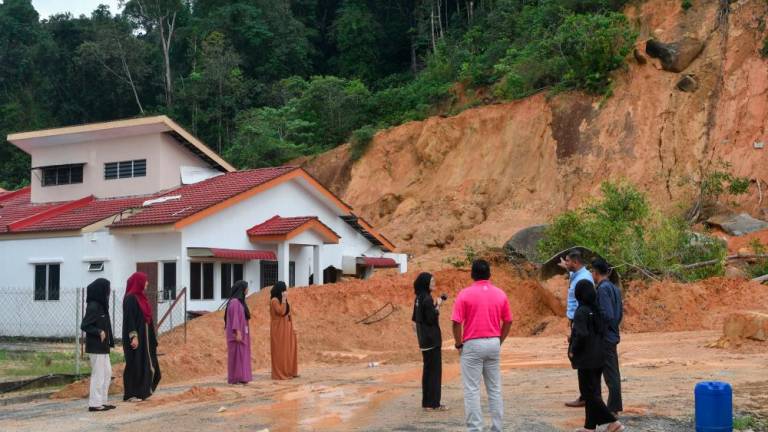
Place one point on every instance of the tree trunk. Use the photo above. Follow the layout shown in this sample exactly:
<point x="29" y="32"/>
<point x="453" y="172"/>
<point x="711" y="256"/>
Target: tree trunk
<point x="165" y="42"/>
<point x="129" y="77"/>
<point x="432" y="26"/>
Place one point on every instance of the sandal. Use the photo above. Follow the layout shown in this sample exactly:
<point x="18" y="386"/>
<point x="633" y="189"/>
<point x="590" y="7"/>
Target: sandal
<point x="440" y="408"/>
<point x="615" y="427"/>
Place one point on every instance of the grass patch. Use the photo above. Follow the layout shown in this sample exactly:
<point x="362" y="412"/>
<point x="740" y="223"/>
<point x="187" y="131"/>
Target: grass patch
<point x="25" y="364"/>
<point x="749" y="422"/>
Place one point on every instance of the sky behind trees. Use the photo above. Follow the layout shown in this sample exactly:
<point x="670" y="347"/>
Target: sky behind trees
<point x="47" y="8"/>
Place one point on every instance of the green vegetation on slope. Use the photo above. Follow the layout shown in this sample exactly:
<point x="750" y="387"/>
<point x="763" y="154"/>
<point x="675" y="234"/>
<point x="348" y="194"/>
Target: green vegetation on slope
<point x="635" y="238"/>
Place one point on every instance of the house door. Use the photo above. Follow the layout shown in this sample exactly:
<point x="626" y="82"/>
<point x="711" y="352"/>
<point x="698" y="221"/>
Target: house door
<point x="151" y="270"/>
<point x="269" y="273"/>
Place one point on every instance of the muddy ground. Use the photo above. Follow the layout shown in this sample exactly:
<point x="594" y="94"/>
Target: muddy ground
<point x="660" y="371"/>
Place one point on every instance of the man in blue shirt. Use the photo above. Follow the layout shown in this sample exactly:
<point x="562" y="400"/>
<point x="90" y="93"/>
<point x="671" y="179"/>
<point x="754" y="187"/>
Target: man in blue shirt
<point x="574" y="263"/>
<point x="612" y="311"/>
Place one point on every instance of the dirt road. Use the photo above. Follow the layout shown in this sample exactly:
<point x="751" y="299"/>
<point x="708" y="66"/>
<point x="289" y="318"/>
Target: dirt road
<point x="660" y="371"/>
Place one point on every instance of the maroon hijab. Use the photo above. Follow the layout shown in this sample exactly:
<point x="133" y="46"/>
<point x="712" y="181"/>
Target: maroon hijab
<point x="136" y="284"/>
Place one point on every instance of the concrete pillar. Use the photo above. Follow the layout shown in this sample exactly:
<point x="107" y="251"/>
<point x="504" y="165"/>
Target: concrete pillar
<point x="283" y="262"/>
<point x="317" y="269"/>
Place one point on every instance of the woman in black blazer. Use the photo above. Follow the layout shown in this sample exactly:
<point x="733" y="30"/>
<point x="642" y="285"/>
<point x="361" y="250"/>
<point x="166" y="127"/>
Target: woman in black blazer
<point x="587" y="353"/>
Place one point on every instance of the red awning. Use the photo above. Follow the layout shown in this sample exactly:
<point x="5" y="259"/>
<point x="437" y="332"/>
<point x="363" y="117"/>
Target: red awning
<point x="379" y="262"/>
<point x="243" y="255"/>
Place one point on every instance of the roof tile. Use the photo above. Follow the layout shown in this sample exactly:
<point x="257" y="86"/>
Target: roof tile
<point x="200" y="196"/>
<point x="279" y="225"/>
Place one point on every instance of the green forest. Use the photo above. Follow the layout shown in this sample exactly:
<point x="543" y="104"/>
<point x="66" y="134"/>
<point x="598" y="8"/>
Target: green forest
<point x="266" y="81"/>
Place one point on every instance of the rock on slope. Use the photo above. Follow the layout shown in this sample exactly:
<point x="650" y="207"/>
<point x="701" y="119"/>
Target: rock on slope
<point x="435" y="185"/>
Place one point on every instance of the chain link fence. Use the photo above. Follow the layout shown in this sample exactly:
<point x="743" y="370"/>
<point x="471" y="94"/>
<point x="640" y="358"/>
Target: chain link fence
<point x="40" y="339"/>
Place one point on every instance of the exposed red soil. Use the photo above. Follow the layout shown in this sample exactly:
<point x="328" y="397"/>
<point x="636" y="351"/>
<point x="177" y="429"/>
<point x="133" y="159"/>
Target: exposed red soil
<point x="435" y="186"/>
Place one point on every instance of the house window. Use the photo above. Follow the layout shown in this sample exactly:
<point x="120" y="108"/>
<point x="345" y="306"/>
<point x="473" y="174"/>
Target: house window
<point x="125" y="169"/>
<point x="269" y="273"/>
<point x="169" y="281"/>
<point x="47" y="282"/>
<point x="230" y="273"/>
<point x="62" y="175"/>
<point x="96" y="266"/>
<point x="201" y="281"/>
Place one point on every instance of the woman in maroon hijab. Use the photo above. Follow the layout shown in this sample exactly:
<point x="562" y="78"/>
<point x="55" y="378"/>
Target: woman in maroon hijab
<point x="142" y="371"/>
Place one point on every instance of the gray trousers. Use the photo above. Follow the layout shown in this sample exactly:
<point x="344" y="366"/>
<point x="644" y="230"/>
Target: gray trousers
<point x="480" y="358"/>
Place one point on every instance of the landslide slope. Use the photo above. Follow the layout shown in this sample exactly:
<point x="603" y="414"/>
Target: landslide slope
<point x="436" y="185"/>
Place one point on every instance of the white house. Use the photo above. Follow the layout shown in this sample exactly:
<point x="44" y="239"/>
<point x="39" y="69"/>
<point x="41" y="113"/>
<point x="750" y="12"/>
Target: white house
<point x="112" y="198"/>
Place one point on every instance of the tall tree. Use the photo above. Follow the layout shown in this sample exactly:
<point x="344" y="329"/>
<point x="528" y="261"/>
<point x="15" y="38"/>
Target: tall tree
<point x="158" y="16"/>
<point x="357" y="35"/>
<point x="117" y="51"/>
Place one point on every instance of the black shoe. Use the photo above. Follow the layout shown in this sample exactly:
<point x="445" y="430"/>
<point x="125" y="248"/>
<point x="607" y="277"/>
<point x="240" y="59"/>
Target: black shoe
<point x="95" y="409"/>
<point x="109" y="407"/>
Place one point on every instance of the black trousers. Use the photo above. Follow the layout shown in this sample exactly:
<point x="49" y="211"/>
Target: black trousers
<point x="613" y="378"/>
<point x="596" y="411"/>
<point x="431" y="378"/>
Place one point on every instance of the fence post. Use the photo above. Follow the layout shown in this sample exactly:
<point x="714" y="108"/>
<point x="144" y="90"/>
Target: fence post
<point x="185" y="315"/>
<point x="77" y="330"/>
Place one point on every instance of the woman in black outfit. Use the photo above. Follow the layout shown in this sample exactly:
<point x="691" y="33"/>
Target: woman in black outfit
<point x="587" y="353"/>
<point x="426" y="316"/>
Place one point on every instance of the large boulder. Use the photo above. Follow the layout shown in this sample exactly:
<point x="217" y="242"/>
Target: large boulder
<point x="746" y="325"/>
<point x="675" y="56"/>
<point x="737" y="224"/>
<point x="524" y="244"/>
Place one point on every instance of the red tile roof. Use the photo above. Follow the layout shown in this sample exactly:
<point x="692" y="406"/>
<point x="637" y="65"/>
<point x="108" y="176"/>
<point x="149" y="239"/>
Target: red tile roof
<point x="380" y="262"/>
<point x="18" y="214"/>
<point x="277" y="225"/>
<point x="244" y="255"/>
<point x="200" y="196"/>
<point x="17" y="207"/>
<point x="81" y="217"/>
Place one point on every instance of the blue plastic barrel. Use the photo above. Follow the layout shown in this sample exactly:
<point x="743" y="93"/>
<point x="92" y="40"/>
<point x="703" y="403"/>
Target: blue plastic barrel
<point x="714" y="407"/>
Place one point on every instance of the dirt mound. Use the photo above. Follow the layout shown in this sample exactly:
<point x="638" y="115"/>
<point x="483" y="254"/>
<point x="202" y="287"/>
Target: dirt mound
<point x="669" y="306"/>
<point x="436" y="185"/>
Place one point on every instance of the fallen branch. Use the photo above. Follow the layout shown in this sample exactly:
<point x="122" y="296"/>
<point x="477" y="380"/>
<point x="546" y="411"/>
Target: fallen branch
<point x="701" y="264"/>
<point x="760" y="279"/>
<point x="728" y="258"/>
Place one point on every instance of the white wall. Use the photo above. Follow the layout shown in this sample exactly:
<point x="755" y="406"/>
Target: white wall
<point x="227" y="228"/>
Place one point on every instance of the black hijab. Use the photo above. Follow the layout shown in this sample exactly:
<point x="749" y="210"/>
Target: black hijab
<point x="277" y="293"/>
<point x="586" y="295"/>
<point x="421" y="289"/>
<point x="238" y="292"/>
<point x="98" y="292"/>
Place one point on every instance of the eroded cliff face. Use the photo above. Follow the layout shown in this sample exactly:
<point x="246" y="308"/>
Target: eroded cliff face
<point x="436" y="185"/>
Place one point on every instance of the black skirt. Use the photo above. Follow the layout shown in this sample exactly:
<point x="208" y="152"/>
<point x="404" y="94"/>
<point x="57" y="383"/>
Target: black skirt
<point x="142" y="370"/>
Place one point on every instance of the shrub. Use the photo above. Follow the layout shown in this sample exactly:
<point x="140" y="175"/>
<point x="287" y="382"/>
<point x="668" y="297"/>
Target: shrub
<point x="591" y="47"/>
<point x="470" y="254"/>
<point x="360" y="141"/>
<point x="764" y="49"/>
<point x="687" y="4"/>
<point x="639" y="240"/>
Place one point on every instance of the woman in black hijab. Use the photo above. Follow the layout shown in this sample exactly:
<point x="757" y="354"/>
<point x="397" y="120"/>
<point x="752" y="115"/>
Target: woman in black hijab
<point x="97" y="326"/>
<point x="587" y="353"/>
<point x="426" y="318"/>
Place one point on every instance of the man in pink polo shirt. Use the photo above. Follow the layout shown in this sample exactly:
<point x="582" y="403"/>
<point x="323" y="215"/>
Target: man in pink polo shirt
<point x="481" y="321"/>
